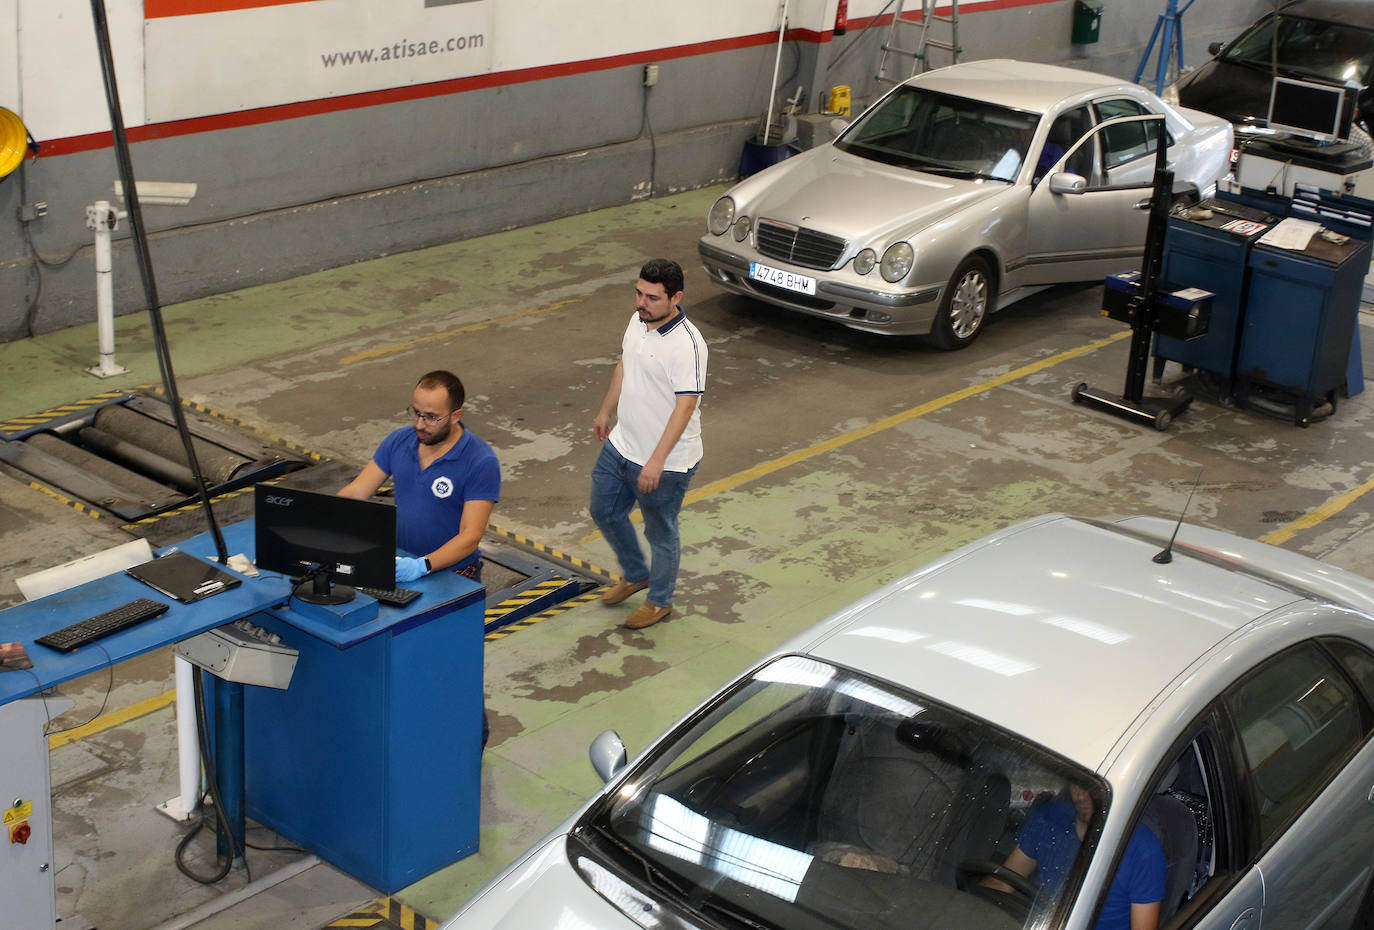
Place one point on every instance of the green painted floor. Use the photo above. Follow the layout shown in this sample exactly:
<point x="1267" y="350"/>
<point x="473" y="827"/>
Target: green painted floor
<point x="835" y="462"/>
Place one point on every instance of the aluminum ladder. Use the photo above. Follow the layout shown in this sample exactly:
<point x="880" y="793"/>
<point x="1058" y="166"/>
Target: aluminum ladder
<point x="892" y="49"/>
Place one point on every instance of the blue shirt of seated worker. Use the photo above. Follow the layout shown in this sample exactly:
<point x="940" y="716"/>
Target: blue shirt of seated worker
<point x="1050" y="837"/>
<point x="429" y="503"/>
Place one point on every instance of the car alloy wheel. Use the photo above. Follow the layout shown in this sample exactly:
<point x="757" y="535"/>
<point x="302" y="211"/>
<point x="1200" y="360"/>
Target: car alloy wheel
<point x="966" y="304"/>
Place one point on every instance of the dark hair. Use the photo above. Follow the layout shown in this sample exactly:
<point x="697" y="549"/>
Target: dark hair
<point x="449" y="382"/>
<point x="663" y="271"/>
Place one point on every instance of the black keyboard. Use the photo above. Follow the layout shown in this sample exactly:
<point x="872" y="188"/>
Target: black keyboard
<point x="394" y="597"/>
<point x="103" y="624"/>
<point x="1238" y="210"/>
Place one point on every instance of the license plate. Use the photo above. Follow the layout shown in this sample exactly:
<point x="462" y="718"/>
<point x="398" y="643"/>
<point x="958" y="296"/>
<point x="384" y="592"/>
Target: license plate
<point x="784" y="279"/>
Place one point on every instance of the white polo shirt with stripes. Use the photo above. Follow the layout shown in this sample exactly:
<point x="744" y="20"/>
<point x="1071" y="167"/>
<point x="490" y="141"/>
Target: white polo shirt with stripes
<point x="660" y="364"/>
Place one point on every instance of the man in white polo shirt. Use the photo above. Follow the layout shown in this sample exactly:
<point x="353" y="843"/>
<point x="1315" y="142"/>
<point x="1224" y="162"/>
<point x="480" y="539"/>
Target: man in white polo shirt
<point x="650" y="455"/>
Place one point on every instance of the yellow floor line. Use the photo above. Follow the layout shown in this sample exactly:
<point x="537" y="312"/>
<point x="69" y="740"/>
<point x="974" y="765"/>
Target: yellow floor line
<point x="113" y="719"/>
<point x="863" y="432"/>
<point x="1313" y="517"/>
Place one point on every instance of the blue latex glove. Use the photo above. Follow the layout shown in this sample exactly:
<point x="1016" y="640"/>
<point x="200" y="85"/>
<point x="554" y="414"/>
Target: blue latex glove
<point x="408" y="569"/>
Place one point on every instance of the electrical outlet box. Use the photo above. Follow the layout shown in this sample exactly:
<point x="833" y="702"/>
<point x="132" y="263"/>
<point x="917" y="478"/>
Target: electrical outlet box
<point x="650" y="75"/>
<point x="29" y="212"/>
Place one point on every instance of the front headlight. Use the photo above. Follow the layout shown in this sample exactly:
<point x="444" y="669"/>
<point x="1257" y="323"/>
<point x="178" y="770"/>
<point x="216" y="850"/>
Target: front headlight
<point x="865" y="260"/>
<point x="897" y="261"/>
<point x="742" y="228"/>
<point x="721" y="216"/>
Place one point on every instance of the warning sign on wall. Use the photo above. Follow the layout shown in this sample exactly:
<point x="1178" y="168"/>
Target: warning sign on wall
<point x="204" y="57"/>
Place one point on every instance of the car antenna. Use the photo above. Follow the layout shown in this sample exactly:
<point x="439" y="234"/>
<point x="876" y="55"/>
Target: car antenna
<point x="1166" y="555"/>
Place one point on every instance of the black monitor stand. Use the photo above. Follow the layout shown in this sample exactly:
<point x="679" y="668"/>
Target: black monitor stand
<point x="315" y="588"/>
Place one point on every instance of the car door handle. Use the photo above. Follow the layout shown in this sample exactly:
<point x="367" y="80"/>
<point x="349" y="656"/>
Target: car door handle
<point x="1142" y="204"/>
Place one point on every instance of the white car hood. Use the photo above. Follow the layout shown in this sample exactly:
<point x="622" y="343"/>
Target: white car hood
<point x="859" y="200"/>
<point x="543" y="892"/>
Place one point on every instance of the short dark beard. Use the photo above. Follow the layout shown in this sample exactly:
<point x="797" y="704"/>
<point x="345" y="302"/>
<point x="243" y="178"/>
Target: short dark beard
<point x="438" y="436"/>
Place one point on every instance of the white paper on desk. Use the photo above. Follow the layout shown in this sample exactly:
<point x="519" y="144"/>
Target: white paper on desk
<point x="1291" y="233"/>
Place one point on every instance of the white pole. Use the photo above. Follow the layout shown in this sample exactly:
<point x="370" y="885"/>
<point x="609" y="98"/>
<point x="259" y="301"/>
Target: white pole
<point x="777" y="60"/>
<point x="188" y="746"/>
<point x="102" y="219"/>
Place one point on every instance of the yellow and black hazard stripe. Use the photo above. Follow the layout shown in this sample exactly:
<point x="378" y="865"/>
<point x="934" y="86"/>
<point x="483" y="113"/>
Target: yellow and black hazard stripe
<point x="531" y="595"/>
<point x="540" y="617"/>
<point x="386" y="912"/>
<point x="195" y="504"/>
<point x="15" y="427"/>
<point x="241" y="424"/>
<point x="70" y="502"/>
<point x="572" y="560"/>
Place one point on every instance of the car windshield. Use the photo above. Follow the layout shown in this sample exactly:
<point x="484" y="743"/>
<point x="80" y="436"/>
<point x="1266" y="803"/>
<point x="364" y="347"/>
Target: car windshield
<point x="943" y="134"/>
<point x="1307" y="47"/>
<point x="812" y="797"/>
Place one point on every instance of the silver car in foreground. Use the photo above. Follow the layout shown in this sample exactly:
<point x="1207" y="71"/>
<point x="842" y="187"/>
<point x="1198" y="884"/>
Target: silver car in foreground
<point x="1214" y="694"/>
<point x="961" y="190"/>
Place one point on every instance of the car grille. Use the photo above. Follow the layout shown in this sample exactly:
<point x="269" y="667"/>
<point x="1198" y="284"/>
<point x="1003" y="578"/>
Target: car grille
<point x="798" y="245"/>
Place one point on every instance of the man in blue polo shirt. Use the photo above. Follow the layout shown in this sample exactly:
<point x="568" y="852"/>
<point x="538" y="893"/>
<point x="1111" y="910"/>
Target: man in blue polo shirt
<point x="447" y="481"/>
<point x="1048" y="844"/>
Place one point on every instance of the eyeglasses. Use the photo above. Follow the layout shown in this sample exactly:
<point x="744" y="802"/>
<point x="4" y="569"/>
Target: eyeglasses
<point x="430" y="418"/>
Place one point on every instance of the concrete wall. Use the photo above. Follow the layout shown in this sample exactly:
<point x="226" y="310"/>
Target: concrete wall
<point x="287" y="191"/>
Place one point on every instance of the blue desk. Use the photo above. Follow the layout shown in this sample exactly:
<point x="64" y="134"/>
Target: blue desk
<point x="371" y="758"/>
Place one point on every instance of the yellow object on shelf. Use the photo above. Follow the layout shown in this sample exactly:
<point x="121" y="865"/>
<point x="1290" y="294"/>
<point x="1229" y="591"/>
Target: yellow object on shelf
<point x="839" y="99"/>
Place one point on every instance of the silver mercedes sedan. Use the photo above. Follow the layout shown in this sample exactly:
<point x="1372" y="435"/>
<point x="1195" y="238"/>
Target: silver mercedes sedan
<point x="1069" y="724"/>
<point x="958" y="192"/>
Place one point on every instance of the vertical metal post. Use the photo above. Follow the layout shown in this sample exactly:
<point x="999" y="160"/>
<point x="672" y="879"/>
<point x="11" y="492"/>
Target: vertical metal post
<point x="101" y="218"/>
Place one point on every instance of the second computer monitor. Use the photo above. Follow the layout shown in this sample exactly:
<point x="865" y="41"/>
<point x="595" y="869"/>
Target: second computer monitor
<point x="333" y="541"/>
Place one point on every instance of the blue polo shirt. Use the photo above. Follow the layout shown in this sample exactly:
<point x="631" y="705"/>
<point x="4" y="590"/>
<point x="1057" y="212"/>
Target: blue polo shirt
<point x="1051" y="839"/>
<point x="429" y="503"/>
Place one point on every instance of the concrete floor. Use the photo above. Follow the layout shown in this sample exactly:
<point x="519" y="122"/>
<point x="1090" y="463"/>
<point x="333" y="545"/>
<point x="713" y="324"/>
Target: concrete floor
<point x="835" y="461"/>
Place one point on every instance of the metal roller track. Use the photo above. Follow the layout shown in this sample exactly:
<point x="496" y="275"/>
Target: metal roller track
<point x="217" y="464"/>
<point x="113" y="482"/>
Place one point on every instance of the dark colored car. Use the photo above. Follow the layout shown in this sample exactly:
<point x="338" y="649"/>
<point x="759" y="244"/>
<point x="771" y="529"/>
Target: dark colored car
<point x="1330" y="41"/>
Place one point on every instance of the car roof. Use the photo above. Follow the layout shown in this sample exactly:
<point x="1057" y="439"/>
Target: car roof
<point x="1350" y="12"/>
<point x="1023" y="85"/>
<point x="1059" y="629"/>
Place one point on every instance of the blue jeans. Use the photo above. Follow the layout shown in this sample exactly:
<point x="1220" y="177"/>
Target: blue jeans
<point x="614" y="494"/>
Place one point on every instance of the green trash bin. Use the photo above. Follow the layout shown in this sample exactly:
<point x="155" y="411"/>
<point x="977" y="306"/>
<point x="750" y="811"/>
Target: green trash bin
<point x="1087" y="20"/>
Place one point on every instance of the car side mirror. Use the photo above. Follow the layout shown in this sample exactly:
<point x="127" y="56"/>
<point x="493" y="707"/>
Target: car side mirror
<point x="1215" y="48"/>
<point x="1066" y="182"/>
<point x="607" y="754"/>
<point x="838" y="126"/>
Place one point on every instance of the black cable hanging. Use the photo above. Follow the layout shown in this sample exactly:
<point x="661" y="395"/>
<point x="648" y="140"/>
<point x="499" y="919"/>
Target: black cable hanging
<point x="164" y="361"/>
<point x="145" y="267"/>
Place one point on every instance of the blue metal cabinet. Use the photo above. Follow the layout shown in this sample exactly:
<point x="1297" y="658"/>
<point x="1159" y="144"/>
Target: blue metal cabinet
<point x="1300" y="319"/>
<point x="1200" y="253"/>
<point x="371" y="758"/>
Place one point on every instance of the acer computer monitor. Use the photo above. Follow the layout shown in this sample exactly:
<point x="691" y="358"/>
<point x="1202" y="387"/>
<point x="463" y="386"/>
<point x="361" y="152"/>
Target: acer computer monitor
<point x="1311" y="109"/>
<point x="331" y="543"/>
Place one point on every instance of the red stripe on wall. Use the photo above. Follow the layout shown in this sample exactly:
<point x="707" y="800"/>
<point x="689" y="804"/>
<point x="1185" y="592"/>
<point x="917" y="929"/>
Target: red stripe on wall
<point x="99" y="140"/>
<point x="158" y="9"/>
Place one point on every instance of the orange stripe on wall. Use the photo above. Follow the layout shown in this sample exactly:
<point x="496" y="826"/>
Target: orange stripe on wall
<point x="157" y="9"/>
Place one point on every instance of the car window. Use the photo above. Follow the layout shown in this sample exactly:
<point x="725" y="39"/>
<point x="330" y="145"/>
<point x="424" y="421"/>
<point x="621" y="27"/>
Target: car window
<point x="1175" y="846"/>
<point x="1307" y="47"/>
<point x="943" y="134"/>
<point x="810" y="795"/>
<point x="1359" y="663"/>
<point x="1068" y="127"/>
<point x="1297" y="718"/>
<point x="1126" y="141"/>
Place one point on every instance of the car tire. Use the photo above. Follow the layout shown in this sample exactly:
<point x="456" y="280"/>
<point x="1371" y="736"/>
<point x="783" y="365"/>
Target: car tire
<point x="967" y="301"/>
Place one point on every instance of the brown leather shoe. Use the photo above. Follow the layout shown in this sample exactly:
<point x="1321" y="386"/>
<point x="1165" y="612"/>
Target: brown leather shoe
<point x="618" y="592"/>
<point x="647" y="615"/>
